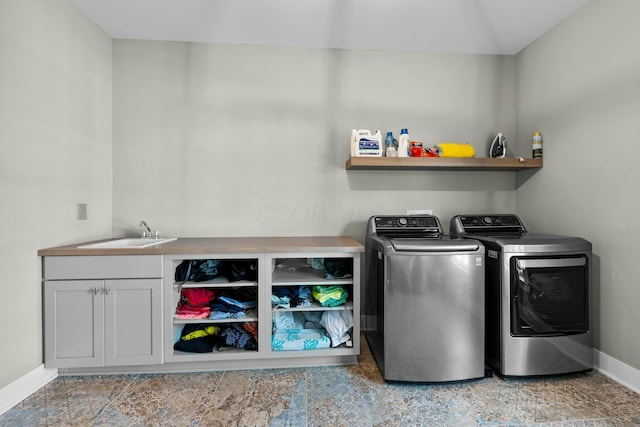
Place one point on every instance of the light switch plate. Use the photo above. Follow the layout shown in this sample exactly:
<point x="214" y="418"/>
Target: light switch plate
<point x="82" y="211"/>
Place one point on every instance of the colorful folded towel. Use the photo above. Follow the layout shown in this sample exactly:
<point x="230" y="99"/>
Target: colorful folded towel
<point x="454" y="149"/>
<point x="330" y="296"/>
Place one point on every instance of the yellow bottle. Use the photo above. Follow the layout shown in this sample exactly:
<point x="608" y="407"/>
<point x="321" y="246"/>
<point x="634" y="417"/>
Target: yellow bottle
<point x="537" y="145"/>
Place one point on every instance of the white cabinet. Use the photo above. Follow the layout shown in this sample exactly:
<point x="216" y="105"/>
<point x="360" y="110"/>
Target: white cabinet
<point x="124" y="313"/>
<point x="73" y="322"/>
<point x="94" y="321"/>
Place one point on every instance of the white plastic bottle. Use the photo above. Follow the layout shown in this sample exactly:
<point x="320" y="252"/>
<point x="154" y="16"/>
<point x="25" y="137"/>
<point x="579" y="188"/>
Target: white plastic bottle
<point x="403" y="143"/>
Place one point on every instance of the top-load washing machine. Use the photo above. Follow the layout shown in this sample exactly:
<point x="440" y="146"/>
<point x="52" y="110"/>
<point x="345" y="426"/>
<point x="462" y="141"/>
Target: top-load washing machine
<point x="424" y="300"/>
<point x="538" y="297"/>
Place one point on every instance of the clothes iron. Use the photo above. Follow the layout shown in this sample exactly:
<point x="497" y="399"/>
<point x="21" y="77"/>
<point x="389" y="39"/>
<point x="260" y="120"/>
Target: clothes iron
<point x="498" y="147"/>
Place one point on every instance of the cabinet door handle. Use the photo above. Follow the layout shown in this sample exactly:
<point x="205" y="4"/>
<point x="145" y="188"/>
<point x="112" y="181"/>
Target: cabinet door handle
<point x="95" y="291"/>
<point x="107" y="290"/>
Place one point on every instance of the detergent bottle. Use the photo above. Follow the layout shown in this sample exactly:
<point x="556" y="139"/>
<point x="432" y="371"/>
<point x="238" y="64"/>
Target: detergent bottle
<point x="403" y="143"/>
<point x="390" y="144"/>
<point x="365" y="143"/>
<point x="537" y="145"/>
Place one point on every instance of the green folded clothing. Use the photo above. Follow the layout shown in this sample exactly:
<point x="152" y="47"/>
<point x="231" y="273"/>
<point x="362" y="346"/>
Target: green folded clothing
<point x="330" y="296"/>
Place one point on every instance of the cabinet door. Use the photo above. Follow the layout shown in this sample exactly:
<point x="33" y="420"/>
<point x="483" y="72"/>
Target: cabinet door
<point x="73" y="323"/>
<point x="133" y="323"/>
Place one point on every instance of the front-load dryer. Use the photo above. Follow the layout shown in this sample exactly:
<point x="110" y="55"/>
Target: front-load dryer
<point x="538" y="297"/>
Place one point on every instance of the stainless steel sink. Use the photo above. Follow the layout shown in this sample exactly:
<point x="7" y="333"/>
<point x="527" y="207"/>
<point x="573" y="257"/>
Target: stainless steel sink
<point x="128" y="243"/>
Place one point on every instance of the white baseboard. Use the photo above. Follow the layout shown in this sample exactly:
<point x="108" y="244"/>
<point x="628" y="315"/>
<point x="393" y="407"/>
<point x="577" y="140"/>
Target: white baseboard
<point x="25" y="386"/>
<point x="618" y="371"/>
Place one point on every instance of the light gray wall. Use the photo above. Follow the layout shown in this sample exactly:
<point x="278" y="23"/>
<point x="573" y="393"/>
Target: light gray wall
<point x="213" y="140"/>
<point x="55" y="151"/>
<point x="218" y="140"/>
<point x="580" y="86"/>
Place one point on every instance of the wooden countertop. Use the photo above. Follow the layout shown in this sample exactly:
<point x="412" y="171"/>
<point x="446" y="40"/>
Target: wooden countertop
<point x="220" y="245"/>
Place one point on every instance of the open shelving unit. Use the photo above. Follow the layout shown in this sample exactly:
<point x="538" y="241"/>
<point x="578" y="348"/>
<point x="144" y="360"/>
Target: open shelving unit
<point x="283" y="274"/>
<point x="310" y="277"/>
<point x="442" y="163"/>
<point x="269" y="276"/>
<point x="221" y="284"/>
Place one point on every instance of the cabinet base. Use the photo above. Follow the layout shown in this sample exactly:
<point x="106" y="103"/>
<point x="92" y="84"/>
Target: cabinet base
<point x="223" y="365"/>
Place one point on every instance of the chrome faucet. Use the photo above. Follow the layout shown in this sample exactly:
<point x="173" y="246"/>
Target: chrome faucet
<point x="147" y="230"/>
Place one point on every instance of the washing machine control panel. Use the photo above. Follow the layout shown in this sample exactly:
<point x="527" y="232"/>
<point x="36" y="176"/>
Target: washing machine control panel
<point x="410" y="222"/>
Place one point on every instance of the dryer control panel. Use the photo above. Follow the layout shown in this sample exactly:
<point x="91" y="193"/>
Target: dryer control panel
<point x="469" y="224"/>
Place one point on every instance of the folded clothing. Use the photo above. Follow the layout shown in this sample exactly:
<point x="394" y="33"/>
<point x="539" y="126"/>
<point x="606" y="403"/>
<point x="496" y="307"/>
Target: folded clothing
<point x="204" y="338"/>
<point x="186" y="312"/>
<point x="197" y="338"/>
<point x="291" y="296"/>
<point x="337" y="323"/>
<point x="197" y="270"/>
<point x="338" y="268"/>
<point x="236" y="302"/>
<point x="299" y="339"/>
<point x="252" y="328"/>
<point x="200" y="270"/>
<point x="238" y="336"/>
<point x="330" y="296"/>
<point x="194" y="303"/>
<point x="219" y="315"/>
<point x="288" y="320"/>
<point x="454" y="149"/>
<point x="196" y="297"/>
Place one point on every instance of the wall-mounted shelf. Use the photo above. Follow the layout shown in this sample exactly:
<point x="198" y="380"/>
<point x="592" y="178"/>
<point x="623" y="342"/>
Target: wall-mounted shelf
<point x="442" y="163"/>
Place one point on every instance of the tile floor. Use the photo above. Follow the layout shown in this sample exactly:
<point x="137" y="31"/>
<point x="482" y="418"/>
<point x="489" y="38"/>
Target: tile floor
<point x="324" y="396"/>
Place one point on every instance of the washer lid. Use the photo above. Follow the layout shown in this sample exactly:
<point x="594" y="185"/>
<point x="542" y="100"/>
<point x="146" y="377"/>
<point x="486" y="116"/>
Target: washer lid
<point x="443" y="244"/>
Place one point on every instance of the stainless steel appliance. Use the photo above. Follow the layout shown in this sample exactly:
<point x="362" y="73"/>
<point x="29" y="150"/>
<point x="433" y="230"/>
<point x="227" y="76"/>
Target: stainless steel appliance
<point x="538" y="300"/>
<point x="424" y="300"/>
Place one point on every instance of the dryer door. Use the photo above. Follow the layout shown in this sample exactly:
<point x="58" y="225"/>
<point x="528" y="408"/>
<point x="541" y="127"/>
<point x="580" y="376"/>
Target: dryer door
<point x="549" y="296"/>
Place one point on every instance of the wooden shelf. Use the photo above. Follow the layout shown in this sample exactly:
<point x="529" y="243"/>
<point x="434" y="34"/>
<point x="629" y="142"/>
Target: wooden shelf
<point x="442" y="163"/>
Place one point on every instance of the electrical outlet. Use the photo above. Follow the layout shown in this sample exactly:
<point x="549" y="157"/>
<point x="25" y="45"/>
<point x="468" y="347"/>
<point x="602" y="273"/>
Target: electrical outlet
<point x="419" y="212"/>
<point x="82" y="211"/>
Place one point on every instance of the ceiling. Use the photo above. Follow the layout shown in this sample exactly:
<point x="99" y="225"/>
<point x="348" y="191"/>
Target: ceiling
<point x="456" y="26"/>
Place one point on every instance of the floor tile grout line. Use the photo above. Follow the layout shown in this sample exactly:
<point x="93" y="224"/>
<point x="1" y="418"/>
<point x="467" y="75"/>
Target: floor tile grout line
<point x="116" y="397"/>
<point x="48" y="396"/>
<point x="223" y="375"/>
<point x="66" y="401"/>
